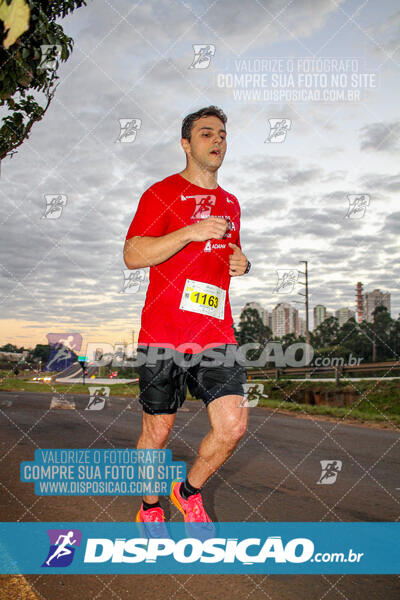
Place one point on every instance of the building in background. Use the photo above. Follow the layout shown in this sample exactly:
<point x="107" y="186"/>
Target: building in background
<point x="98" y="355"/>
<point x="374" y="299"/>
<point x="285" y="319"/>
<point x="344" y="314"/>
<point x="360" y="302"/>
<point x="319" y="315"/>
<point x="264" y="316"/>
<point x="120" y="351"/>
<point x="302" y="327"/>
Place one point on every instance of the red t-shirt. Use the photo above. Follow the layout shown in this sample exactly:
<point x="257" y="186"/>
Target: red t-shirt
<point x="166" y="206"/>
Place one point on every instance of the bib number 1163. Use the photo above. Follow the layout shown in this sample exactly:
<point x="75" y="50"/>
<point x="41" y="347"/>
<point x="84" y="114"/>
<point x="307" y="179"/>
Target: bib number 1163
<point x="206" y="299"/>
<point x="203" y="298"/>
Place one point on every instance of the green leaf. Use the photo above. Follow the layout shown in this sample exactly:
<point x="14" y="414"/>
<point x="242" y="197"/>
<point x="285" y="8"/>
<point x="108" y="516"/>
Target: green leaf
<point x="16" y="20"/>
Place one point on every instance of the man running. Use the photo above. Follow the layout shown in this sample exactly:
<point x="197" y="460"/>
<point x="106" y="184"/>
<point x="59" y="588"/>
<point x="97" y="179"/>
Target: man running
<point x="186" y="229"/>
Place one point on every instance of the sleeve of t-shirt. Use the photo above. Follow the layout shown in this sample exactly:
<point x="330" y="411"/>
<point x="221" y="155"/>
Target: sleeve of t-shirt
<point x="151" y="217"/>
<point x="238" y="235"/>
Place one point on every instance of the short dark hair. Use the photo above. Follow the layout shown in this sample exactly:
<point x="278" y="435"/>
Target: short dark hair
<point x="209" y="111"/>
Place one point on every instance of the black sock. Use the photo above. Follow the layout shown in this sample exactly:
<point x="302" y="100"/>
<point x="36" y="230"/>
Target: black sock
<point x="146" y="505"/>
<point x="188" y="490"/>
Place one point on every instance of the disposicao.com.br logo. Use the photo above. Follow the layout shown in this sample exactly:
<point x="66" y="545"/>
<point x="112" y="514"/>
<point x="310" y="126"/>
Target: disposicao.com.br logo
<point x="214" y="550"/>
<point x="226" y="548"/>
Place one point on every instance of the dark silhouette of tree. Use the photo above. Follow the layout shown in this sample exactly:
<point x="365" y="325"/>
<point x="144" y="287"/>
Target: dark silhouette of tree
<point x="31" y="63"/>
<point x="252" y="330"/>
<point x="326" y="333"/>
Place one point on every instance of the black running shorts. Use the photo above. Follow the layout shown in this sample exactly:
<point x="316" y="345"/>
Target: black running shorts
<point x="163" y="382"/>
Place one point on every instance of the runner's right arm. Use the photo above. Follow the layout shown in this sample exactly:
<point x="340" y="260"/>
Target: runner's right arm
<point x="147" y="251"/>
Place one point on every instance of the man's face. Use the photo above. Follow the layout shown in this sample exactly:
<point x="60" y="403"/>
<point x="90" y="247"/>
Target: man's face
<point x="207" y="144"/>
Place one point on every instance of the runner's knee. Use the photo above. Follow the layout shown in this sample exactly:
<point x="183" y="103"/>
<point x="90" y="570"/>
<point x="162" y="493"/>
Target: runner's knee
<point x="157" y="431"/>
<point x="231" y="429"/>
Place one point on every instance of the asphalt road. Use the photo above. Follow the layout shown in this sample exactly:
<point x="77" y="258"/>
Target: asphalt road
<point x="272" y="476"/>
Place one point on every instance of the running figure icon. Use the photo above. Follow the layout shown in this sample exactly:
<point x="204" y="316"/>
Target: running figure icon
<point x="330" y="471"/>
<point x="62" y="549"/>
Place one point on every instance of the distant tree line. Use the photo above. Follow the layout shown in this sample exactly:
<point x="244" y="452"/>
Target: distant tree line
<point x="378" y="341"/>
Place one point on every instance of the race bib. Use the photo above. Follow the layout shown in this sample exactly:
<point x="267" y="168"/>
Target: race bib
<point x="203" y="298"/>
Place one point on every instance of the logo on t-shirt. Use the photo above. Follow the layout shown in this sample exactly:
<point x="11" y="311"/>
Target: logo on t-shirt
<point x="208" y="247"/>
<point x="204" y="204"/>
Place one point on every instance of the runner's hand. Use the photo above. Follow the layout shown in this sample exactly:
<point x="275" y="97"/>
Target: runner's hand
<point x="208" y="229"/>
<point x="237" y="261"/>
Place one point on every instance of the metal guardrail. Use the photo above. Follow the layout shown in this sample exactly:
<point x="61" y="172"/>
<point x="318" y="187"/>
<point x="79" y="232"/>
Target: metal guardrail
<point x="337" y="370"/>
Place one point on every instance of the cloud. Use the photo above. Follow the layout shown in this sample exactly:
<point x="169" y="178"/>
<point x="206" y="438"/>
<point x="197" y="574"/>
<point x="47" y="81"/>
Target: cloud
<point x="387" y="36"/>
<point x="258" y="24"/>
<point x="381" y="137"/>
<point x="391" y="226"/>
<point x="382" y="181"/>
<point x="271" y="173"/>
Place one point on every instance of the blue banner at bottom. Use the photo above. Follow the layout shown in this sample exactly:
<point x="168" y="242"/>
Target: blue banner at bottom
<point x="209" y="548"/>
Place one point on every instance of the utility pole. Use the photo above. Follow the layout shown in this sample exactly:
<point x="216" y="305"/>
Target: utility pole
<point x="305" y="283"/>
<point x="374" y="340"/>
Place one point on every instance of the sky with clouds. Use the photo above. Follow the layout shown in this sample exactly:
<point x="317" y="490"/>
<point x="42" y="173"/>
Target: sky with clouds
<point x="133" y="61"/>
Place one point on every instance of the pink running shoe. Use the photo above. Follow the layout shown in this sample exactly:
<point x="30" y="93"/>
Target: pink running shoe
<point x="197" y="522"/>
<point x="152" y="522"/>
<point x="192" y="509"/>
